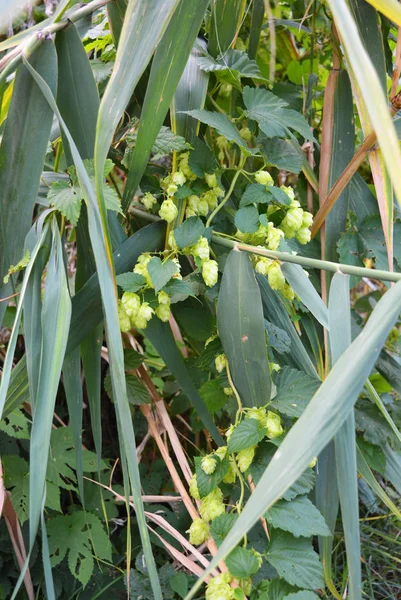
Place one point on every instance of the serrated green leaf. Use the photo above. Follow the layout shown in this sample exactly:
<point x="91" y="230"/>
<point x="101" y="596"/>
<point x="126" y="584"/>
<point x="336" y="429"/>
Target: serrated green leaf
<point x="278" y="339"/>
<point x="247" y="219"/>
<point x="15" y="424"/>
<point x="166" y="142"/>
<point x="281" y="154"/>
<point x="161" y="272"/>
<point x="213" y="395"/>
<point x="241" y="328"/>
<point x="130" y="282"/>
<point x="298" y="516"/>
<point x="270" y="111"/>
<point x="294" y="391"/>
<point x="179" y="584"/>
<point x="201" y="159"/>
<point x="255" y="193"/>
<point x="80" y="536"/>
<point x="189" y="232"/>
<point x="67" y="199"/>
<point x="230" y="67"/>
<point x="303" y="485"/>
<point x="221" y="525"/>
<point x="132" y="359"/>
<point x="137" y="394"/>
<point x="248" y="433"/>
<point x="242" y="563"/>
<point x="295" y="560"/>
<point x="178" y="290"/>
<point x="221" y="123"/>
<point x="207" y="483"/>
<point x="280" y="197"/>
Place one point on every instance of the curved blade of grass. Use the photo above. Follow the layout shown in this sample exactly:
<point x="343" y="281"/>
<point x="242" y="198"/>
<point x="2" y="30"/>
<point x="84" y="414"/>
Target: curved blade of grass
<point x="56" y="313"/>
<point x="320" y="421"/>
<point x="144" y="25"/>
<point x="390" y="8"/>
<point x="189" y="95"/>
<point x="226" y="20"/>
<point x="108" y="289"/>
<point x="302" y="286"/>
<point x="241" y="328"/>
<point x="327" y="501"/>
<point x="29" y="119"/>
<point x="115" y="13"/>
<point x="366" y="472"/>
<point x="258" y="13"/>
<point x="345" y="440"/>
<point x="168" y="65"/>
<point x="372" y="92"/>
<point x="162" y="338"/>
<point x="380" y="405"/>
<point x="275" y="312"/>
<point x="370" y="31"/>
<point x="78" y="102"/>
<point x="393" y="467"/>
<point x="8" y="362"/>
<point x="74" y="397"/>
<point x="18" y="388"/>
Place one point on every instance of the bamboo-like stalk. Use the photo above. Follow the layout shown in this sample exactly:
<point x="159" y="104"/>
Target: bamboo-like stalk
<point x="311" y="263"/>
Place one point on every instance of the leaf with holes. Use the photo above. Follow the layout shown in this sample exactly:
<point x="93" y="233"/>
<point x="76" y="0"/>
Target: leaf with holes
<point x="67" y="199"/>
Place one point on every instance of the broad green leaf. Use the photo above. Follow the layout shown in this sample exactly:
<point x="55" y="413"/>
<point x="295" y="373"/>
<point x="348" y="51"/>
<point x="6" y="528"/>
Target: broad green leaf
<point x="207" y="483"/>
<point x="294" y="391"/>
<point x="189" y="94"/>
<point x="299" y="516"/>
<point x="275" y="120"/>
<point x="201" y="159"/>
<point x="304" y="595"/>
<point x="231" y="67"/>
<point x="281" y="154"/>
<point x="248" y="433"/>
<point x="143" y="27"/>
<point x="242" y="563"/>
<point x="255" y="193"/>
<point x="166" y="142"/>
<point x="79" y="536"/>
<point x="247" y="219"/>
<point x="221" y="525"/>
<point x="302" y="286"/>
<point x="258" y="12"/>
<point x="179" y="584"/>
<point x="189" y="232"/>
<point x="370" y="86"/>
<point x="168" y="65"/>
<point x="213" y="395"/>
<point x="161" y="272"/>
<point x="116" y="13"/>
<point x="278" y="339"/>
<point x="279" y="196"/>
<point x="389" y="8"/>
<point x="321" y="420"/>
<point x="137" y="394"/>
<point x="295" y="560"/>
<point x="241" y="328"/>
<point x="275" y="312"/>
<point x="221" y="123"/>
<point x="130" y="282"/>
<point x="66" y="199"/>
<point x="178" y="290"/>
<point x="226" y="19"/>
<point x="29" y="119"/>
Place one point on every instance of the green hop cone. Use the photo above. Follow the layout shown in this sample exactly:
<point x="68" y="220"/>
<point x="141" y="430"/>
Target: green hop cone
<point x="276" y="277"/>
<point x="211" y="180"/>
<point x="273" y="237"/>
<point x="256" y="413"/>
<point x="201" y="249"/>
<point x="203" y="208"/>
<point x="208" y="464"/>
<point x="198" y="532"/>
<point x="168" y="211"/>
<point x="131" y="303"/>
<point x="258" y="556"/>
<point x="245" y="585"/>
<point x="307" y="219"/>
<point x="264" y="178"/>
<point x="220" y="362"/>
<point x="231" y="474"/>
<point x="221" y="452"/>
<point x="312" y="463"/>
<point x="245" y="458"/>
<point x="303" y="235"/>
<point x="163" y="298"/>
<point x="179" y="178"/>
<point x="245" y="133"/>
<point x="288" y="292"/>
<point x="183" y="165"/>
<point x="273" y="425"/>
<point x="211" y="199"/>
<point x="262" y="266"/>
<point x="141" y="268"/>
<point x="123" y="318"/>
<point x="212" y="505"/>
<point x="163" y="312"/>
<point x="293" y="218"/>
<point x="219" y="588"/>
<point x="210" y="272"/>
<point x="148" y="200"/>
<point x="193" y="488"/>
<point x="289" y="191"/>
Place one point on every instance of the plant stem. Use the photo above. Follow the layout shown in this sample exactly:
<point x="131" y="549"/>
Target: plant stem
<point x="311" y="263"/>
<point x="227" y="196"/>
